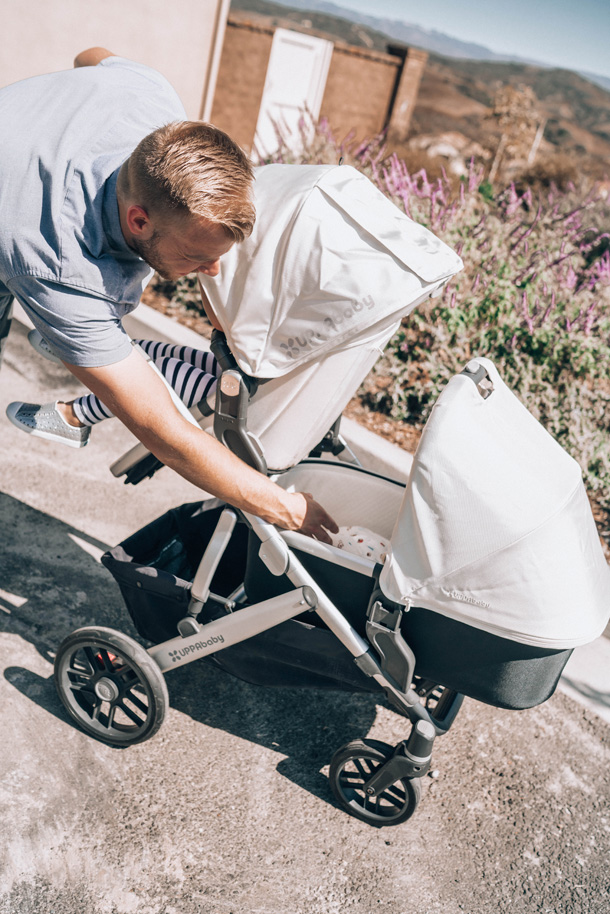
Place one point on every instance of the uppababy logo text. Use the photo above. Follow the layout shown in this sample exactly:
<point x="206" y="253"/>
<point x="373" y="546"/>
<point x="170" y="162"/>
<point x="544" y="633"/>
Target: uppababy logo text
<point x="310" y="339"/>
<point x="466" y="598"/>
<point x="197" y="646"/>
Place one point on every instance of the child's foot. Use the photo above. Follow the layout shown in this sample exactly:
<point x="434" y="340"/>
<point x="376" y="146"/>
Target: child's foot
<point x="41" y="346"/>
<point x="47" y="422"/>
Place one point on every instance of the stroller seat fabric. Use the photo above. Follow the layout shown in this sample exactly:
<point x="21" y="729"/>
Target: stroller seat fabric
<point x="309" y="301"/>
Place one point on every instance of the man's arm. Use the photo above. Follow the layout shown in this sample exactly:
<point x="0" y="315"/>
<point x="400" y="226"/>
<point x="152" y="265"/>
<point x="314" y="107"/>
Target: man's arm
<point x="91" y="57"/>
<point x="141" y="401"/>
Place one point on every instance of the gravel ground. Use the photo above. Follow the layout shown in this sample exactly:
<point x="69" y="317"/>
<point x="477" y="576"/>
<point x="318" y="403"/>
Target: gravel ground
<point x="228" y="811"/>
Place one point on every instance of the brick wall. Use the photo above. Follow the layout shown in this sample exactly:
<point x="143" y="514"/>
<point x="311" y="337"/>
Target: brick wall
<point x="358" y="91"/>
<point x="365" y="90"/>
<point x="241" y="78"/>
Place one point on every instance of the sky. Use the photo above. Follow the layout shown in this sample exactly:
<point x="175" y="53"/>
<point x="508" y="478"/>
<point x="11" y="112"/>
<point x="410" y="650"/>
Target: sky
<point x="574" y="34"/>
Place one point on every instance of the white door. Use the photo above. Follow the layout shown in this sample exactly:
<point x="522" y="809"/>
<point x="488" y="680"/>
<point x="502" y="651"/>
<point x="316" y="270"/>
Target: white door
<point x="295" y="82"/>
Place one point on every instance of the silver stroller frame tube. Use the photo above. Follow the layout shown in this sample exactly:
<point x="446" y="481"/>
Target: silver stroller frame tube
<point x="199" y="640"/>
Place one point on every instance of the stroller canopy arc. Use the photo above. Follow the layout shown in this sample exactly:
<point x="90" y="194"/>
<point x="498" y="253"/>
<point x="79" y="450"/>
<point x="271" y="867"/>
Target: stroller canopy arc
<point x="331" y="263"/>
<point x="495" y="529"/>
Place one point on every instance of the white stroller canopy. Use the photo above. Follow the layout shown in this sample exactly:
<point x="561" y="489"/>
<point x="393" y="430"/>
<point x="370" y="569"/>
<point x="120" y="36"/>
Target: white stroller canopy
<point x="496" y="529"/>
<point x="331" y="263"/>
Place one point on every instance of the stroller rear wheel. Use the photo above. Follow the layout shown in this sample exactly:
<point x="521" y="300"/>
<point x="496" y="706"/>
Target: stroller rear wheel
<point x="110" y="686"/>
<point x="352" y="767"/>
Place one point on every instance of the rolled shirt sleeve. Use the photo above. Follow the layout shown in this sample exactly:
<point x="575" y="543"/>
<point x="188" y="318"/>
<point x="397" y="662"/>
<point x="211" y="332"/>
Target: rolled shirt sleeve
<point x="80" y="328"/>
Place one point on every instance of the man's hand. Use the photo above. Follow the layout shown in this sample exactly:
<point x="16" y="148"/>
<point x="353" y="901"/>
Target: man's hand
<point x="316" y="522"/>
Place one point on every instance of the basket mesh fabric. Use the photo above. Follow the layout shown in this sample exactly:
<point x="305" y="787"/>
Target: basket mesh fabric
<point x="154" y="569"/>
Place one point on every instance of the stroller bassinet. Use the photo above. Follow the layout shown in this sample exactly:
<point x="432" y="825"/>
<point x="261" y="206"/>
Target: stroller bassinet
<point x="493" y="571"/>
<point x="491" y="545"/>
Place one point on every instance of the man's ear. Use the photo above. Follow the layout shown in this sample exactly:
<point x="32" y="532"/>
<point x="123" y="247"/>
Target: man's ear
<point x="139" y="222"/>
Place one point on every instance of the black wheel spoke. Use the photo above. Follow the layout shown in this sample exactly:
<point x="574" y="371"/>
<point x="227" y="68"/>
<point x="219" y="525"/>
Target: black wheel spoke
<point x="130" y="713"/>
<point x="396" y="792"/>
<point x="390" y="800"/>
<point x="90" y="654"/>
<point x="107" y="663"/>
<point x="351" y="779"/>
<point x="128" y="678"/>
<point x="135" y="699"/>
<point x="365" y="767"/>
<point x="80" y="682"/>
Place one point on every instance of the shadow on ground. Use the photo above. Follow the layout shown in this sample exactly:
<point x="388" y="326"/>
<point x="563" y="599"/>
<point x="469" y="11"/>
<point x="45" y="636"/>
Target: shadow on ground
<point x="52" y="584"/>
<point x="588" y="692"/>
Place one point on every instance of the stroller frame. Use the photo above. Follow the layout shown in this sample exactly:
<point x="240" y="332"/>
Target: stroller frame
<point x="115" y="689"/>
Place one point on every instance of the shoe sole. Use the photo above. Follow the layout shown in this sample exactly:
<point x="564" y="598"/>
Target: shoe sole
<point x="36" y="433"/>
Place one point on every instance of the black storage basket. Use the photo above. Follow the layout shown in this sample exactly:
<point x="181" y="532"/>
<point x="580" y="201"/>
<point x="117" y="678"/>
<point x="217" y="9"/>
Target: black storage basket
<point x="154" y="569"/>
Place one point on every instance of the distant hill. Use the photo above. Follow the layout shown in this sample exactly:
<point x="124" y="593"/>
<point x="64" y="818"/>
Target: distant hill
<point x="456" y="92"/>
<point x="332" y="25"/>
<point x="429" y="40"/>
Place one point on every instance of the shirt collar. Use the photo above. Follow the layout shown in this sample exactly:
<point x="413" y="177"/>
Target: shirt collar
<point x="115" y="241"/>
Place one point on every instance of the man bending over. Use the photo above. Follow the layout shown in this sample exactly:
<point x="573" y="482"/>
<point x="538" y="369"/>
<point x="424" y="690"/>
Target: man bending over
<point x="103" y="181"/>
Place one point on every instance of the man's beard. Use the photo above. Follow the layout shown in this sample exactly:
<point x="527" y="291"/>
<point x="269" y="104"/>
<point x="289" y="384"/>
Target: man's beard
<point x="149" y="252"/>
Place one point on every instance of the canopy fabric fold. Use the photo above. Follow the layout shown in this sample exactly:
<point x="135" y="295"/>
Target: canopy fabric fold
<point x="331" y="264"/>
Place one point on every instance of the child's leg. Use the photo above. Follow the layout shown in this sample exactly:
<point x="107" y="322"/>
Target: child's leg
<point x="192" y="373"/>
<point x="193" y="376"/>
<point x="199" y="358"/>
<point x="190" y="383"/>
<point x="89" y="410"/>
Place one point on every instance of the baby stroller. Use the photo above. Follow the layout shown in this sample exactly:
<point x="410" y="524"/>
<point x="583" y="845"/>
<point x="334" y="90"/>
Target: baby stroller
<point x="491" y="571"/>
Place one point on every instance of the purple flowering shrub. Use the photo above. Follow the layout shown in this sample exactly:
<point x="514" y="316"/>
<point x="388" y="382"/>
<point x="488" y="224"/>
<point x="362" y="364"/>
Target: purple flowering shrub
<point x="534" y="297"/>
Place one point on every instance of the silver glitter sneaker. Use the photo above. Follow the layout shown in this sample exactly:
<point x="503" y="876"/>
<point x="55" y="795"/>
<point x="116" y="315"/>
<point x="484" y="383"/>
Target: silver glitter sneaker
<point x="41" y="346"/>
<point x="46" y="422"/>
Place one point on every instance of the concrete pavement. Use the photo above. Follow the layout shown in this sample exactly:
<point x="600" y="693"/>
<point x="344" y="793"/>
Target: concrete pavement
<point x="227" y="810"/>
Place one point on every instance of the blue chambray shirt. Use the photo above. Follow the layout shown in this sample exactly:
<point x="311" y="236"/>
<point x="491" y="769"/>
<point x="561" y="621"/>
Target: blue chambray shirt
<point x="62" y="253"/>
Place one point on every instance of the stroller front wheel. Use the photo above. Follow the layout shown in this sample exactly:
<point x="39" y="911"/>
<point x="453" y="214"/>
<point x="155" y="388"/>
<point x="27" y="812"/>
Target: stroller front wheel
<point x="352" y="767"/>
<point x="110" y="686"/>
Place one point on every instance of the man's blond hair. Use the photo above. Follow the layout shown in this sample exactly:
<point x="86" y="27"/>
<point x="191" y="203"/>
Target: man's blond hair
<point x="193" y="169"/>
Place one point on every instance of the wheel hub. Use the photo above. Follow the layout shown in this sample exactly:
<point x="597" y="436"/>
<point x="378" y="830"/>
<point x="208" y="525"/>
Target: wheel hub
<point x="106" y="689"/>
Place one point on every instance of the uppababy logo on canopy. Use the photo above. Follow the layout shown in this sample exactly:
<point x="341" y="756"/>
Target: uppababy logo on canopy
<point x="466" y="598"/>
<point x="197" y="646"/>
<point x="310" y="339"/>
